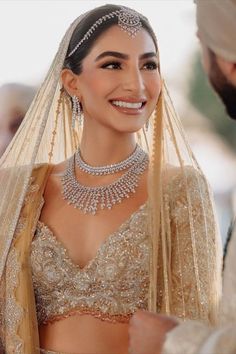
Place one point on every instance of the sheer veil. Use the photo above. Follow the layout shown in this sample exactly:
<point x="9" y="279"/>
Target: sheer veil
<point x="46" y="136"/>
<point x="40" y="135"/>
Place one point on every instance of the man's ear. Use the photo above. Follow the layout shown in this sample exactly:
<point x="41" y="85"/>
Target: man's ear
<point x="228" y="69"/>
<point x="70" y="82"/>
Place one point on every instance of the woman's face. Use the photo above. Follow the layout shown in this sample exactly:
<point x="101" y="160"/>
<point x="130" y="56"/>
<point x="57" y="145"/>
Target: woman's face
<point x="120" y="84"/>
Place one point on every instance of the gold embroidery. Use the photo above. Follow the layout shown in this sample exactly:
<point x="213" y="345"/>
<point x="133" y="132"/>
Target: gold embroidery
<point x="20" y="226"/>
<point x="120" y="318"/>
<point x="193" y="246"/>
<point x="33" y="188"/>
<point x="111" y="287"/>
<point x="115" y="282"/>
<point x="13" y="311"/>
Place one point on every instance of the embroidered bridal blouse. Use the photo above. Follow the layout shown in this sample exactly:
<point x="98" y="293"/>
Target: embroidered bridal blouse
<point x="115" y="283"/>
<point x="111" y="286"/>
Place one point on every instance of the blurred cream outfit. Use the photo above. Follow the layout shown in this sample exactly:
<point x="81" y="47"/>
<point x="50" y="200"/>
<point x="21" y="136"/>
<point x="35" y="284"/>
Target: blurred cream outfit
<point x="166" y="257"/>
<point x="195" y="337"/>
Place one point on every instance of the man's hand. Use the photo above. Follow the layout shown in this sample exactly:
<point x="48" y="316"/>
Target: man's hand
<point x="147" y="332"/>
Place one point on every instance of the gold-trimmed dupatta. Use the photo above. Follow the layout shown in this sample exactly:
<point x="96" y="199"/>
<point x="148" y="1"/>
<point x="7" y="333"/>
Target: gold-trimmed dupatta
<point x="18" y="313"/>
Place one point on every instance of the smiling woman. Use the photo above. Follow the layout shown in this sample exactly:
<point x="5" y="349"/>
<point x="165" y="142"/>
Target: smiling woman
<point x="123" y="82"/>
<point x="104" y="209"/>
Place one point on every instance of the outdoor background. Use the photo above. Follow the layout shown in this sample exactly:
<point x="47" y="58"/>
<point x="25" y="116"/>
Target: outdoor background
<point x="30" y="32"/>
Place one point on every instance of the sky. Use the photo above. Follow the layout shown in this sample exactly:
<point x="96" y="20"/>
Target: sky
<point x="31" y="30"/>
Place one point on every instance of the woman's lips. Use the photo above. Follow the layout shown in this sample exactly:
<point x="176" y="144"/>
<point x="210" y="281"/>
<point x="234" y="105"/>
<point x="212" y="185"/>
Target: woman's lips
<point x="128" y="107"/>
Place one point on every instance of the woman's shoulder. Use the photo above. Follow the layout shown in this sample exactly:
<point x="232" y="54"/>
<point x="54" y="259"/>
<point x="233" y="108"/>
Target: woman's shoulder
<point x="188" y="191"/>
<point x="46" y="177"/>
<point x="54" y="169"/>
<point x="178" y="179"/>
<point x="53" y="183"/>
<point x="59" y="168"/>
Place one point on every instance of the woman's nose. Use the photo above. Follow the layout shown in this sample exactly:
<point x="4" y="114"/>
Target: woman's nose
<point x="133" y="81"/>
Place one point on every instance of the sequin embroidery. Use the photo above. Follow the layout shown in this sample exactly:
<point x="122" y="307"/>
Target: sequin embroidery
<point x="111" y="286"/>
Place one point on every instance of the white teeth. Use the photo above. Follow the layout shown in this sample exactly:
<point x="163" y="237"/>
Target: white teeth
<point x="136" y="105"/>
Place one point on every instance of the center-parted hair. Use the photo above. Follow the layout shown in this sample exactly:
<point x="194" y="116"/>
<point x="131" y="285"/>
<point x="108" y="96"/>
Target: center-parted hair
<point x="74" y="62"/>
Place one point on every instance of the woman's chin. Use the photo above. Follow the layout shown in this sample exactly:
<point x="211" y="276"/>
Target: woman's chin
<point x="129" y="128"/>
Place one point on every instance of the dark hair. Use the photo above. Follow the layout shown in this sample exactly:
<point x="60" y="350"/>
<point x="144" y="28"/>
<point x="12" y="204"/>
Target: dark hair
<point x="74" y="62"/>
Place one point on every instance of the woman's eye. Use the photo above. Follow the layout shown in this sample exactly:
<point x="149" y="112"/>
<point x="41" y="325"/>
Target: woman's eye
<point x="150" y="66"/>
<point x="111" y="65"/>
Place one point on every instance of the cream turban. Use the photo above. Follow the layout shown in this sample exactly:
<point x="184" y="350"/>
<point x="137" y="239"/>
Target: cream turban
<point x="216" y="21"/>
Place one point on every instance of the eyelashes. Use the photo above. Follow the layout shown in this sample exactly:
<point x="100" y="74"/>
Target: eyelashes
<point x="151" y="65"/>
<point x="116" y="65"/>
<point x="112" y="65"/>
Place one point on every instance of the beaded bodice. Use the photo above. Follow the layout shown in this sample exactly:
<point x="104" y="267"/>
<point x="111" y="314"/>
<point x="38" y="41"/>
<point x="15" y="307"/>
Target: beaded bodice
<point x="111" y="286"/>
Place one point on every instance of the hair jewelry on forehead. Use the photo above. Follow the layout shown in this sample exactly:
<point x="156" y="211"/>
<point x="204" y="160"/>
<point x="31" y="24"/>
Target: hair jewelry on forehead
<point x="128" y="20"/>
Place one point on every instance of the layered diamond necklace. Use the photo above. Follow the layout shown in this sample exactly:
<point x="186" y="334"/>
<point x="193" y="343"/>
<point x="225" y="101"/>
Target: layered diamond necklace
<point x="91" y="198"/>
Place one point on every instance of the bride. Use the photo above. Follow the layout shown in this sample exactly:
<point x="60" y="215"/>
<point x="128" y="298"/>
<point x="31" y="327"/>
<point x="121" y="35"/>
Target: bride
<point x="104" y="209"/>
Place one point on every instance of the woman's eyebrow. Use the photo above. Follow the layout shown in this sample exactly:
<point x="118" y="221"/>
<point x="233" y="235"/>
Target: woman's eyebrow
<point x="112" y="54"/>
<point x="124" y="56"/>
<point x="148" y="55"/>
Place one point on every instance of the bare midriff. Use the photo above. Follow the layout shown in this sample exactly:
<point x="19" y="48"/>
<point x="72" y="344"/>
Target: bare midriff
<point x="84" y="334"/>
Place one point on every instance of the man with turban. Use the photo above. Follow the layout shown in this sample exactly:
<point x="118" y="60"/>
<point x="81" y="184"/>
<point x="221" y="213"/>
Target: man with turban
<point x="156" y="334"/>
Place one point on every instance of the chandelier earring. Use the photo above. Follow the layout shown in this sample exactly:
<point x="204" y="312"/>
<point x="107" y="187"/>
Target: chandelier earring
<point x="76" y="111"/>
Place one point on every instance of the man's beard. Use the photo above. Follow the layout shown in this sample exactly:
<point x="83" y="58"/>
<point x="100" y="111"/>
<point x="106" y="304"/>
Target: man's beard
<point x="222" y="86"/>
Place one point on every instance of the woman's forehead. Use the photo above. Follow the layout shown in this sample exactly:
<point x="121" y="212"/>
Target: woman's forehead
<point x="115" y="39"/>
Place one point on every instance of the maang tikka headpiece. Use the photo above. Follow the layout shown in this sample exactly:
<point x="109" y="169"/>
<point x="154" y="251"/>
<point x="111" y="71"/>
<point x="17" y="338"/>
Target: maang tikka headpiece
<point x="128" y="20"/>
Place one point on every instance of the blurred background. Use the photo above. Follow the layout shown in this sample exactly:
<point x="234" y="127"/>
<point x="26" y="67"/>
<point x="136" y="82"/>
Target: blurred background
<point x="30" y="32"/>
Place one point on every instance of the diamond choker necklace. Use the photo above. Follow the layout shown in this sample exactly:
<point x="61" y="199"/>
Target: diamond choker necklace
<point x="109" y="169"/>
<point x="90" y="199"/>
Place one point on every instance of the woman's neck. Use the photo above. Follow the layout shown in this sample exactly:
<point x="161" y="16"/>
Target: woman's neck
<point x="105" y="147"/>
